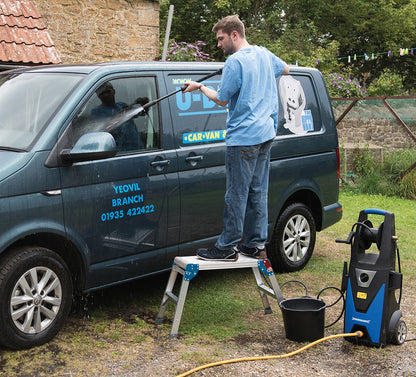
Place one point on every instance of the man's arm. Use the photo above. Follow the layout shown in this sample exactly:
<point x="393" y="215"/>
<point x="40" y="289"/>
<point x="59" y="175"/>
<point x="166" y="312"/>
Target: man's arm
<point x="286" y="70"/>
<point x="210" y="93"/>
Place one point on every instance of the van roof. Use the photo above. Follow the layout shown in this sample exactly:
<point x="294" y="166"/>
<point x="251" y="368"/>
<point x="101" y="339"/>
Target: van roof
<point x="120" y="66"/>
<point x="108" y="67"/>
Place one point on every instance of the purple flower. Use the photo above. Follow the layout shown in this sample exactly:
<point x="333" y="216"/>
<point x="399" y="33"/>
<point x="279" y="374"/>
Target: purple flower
<point x="184" y="51"/>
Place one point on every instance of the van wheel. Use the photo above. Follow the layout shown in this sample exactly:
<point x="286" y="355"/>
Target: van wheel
<point x="293" y="239"/>
<point x="35" y="297"/>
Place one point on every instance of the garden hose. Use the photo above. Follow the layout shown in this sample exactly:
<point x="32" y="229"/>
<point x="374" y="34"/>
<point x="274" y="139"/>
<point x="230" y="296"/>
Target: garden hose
<point x="357" y="334"/>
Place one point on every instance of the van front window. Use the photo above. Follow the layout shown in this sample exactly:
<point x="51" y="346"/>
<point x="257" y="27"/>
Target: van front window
<point x="27" y="103"/>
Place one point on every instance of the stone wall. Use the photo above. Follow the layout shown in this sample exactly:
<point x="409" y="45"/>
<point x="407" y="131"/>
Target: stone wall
<point x="88" y="31"/>
<point x="374" y="129"/>
<point x="385" y="133"/>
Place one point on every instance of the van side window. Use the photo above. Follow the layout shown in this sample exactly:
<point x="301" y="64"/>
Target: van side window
<point x="197" y="120"/>
<point x="113" y="107"/>
<point x="298" y="106"/>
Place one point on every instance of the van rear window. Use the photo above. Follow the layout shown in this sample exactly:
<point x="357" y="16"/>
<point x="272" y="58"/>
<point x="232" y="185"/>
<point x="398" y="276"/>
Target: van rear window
<point x="298" y="107"/>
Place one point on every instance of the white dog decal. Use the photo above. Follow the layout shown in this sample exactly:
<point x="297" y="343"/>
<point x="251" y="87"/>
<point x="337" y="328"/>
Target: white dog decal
<point x="293" y="100"/>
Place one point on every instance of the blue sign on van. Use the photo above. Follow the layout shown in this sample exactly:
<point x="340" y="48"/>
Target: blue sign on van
<point x="200" y="137"/>
<point x="196" y="103"/>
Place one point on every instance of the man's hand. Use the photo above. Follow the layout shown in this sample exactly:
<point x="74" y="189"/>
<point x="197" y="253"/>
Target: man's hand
<point x="191" y="86"/>
<point x="210" y="93"/>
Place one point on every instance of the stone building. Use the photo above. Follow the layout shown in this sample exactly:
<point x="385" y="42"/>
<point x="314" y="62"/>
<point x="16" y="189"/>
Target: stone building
<point x="78" y="31"/>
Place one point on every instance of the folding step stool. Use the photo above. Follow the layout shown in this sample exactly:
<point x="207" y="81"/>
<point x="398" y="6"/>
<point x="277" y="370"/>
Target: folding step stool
<point x="189" y="267"/>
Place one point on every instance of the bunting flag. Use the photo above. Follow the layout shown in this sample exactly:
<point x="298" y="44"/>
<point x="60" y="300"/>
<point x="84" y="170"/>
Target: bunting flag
<point x="355" y="57"/>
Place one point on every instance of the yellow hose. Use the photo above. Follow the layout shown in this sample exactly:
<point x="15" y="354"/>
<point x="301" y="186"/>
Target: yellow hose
<point x="358" y="334"/>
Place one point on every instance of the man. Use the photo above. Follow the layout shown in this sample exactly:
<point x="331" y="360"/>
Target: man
<point x="248" y="86"/>
<point x="125" y="134"/>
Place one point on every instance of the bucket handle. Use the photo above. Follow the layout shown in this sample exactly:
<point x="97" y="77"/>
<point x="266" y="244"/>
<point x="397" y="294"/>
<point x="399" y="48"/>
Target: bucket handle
<point x="341" y="295"/>
<point x="298" y="282"/>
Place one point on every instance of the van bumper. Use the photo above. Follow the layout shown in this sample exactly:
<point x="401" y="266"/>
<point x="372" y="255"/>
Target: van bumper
<point x="331" y="214"/>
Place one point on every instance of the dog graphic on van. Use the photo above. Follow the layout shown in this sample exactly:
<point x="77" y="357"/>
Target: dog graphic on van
<point x="293" y="100"/>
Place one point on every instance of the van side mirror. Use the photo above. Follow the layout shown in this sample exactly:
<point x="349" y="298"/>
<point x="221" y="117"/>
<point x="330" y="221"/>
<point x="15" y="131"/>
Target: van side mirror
<point x="90" y="146"/>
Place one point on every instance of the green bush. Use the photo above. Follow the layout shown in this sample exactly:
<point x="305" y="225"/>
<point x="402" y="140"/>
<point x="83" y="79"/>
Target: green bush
<point x="371" y="176"/>
<point x="388" y="84"/>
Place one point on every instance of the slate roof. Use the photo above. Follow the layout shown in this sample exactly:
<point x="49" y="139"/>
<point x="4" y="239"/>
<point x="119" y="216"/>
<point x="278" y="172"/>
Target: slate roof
<point x="23" y="35"/>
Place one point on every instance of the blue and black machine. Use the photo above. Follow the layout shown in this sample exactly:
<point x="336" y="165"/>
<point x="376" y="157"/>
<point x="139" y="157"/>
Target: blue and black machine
<point x="373" y="286"/>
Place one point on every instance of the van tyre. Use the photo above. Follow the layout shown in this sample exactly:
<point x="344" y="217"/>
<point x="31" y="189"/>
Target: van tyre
<point x="293" y="239"/>
<point x="35" y="297"/>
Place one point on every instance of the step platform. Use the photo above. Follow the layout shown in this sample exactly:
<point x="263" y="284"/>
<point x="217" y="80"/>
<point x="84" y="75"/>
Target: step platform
<point x="189" y="267"/>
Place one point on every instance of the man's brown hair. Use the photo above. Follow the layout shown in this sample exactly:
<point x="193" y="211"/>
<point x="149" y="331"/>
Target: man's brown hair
<point x="229" y="24"/>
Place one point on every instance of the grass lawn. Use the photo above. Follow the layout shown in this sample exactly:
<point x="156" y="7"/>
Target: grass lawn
<point x="114" y="332"/>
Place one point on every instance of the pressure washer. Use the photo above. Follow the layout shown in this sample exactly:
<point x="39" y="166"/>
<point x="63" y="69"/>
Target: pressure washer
<point x="372" y="284"/>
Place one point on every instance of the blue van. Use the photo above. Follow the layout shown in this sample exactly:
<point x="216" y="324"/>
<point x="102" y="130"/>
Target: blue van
<point x="94" y="192"/>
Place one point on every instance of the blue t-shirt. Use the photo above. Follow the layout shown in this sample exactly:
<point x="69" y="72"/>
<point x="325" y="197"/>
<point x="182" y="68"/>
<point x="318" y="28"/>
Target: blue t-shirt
<point x="249" y="84"/>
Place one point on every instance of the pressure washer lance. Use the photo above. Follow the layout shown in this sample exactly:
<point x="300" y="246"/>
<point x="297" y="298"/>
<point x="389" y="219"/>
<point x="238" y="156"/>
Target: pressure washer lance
<point x="372" y="281"/>
<point x="135" y="111"/>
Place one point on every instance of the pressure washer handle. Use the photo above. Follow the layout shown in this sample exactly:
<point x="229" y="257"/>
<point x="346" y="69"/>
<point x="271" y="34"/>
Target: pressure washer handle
<point x="348" y="240"/>
<point x="373" y="211"/>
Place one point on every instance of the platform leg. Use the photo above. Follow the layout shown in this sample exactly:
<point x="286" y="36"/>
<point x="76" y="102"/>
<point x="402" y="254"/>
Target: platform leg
<point x="276" y="288"/>
<point x="166" y="296"/>
<point x="263" y="296"/>
<point x="179" y="309"/>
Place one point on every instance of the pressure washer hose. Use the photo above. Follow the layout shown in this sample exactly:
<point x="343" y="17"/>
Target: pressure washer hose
<point x="358" y="334"/>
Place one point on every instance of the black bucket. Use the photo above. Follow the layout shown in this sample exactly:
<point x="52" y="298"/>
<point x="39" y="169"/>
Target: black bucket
<point x="304" y="318"/>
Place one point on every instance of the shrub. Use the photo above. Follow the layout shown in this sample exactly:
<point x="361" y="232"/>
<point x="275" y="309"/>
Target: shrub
<point x="363" y="161"/>
<point x="388" y="84"/>
<point x="183" y="52"/>
<point x="395" y="164"/>
<point x="383" y="178"/>
<point x="340" y="86"/>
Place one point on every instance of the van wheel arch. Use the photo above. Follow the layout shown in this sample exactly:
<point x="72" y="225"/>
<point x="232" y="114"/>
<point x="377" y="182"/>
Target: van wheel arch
<point x="61" y="246"/>
<point x="293" y="238"/>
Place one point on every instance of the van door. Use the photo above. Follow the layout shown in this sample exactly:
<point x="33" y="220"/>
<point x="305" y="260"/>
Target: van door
<point x="117" y="209"/>
<point x="199" y="127"/>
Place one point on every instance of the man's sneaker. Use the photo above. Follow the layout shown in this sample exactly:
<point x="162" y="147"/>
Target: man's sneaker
<point x="213" y="253"/>
<point x="258" y="252"/>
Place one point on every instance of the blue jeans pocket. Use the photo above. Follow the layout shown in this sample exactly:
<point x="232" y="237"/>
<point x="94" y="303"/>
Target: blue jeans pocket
<point x="250" y="152"/>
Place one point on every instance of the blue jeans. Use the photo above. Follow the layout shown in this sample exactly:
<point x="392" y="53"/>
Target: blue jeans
<point x="245" y="211"/>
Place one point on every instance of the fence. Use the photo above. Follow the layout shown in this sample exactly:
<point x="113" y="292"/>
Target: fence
<point x="378" y="123"/>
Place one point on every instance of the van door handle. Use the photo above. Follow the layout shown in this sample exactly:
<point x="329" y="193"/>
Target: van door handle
<point x="159" y="164"/>
<point x="193" y="160"/>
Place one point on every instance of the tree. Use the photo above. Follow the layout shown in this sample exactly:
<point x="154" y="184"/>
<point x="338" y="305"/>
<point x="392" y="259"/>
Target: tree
<point x="331" y="31"/>
<point x="193" y="19"/>
<point x="370" y="27"/>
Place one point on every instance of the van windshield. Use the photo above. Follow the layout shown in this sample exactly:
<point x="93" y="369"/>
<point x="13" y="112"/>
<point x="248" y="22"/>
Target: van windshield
<point x="27" y="103"/>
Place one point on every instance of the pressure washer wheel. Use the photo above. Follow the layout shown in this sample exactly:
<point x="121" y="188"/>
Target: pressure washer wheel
<point x="399" y="334"/>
